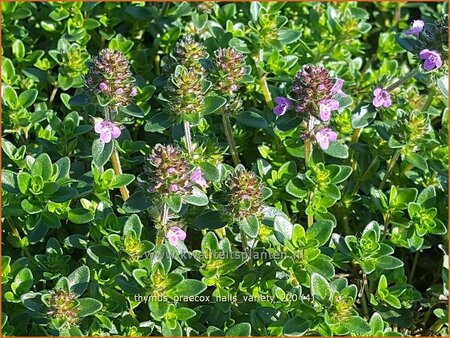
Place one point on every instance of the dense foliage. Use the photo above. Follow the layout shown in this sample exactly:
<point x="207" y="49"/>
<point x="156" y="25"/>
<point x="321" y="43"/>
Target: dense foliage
<point x="224" y="169"/>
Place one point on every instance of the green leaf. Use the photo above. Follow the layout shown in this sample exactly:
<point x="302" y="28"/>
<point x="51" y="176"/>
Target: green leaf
<point x="283" y="228"/>
<point x="342" y="172"/>
<point x="337" y="149"/>
<point x="418" y="161"/>
<point x="79" y="279"/>
<point x="250" y="226"/>
<point x="252" y="119"/>
<point x="186" y="288"/>
<point x="288" y="36"/>
<point x="364" y="116"/>
<point x="158" y="123"/>
<point x="63" y="194"/>
<point x="121" y="180"/>
<point x="320" y="288"/>
<point x="137" y="202"/>
<point x="393" y="301"/>
<point x="344" y="101"/>
<point x="30" y="208"/>
<point x="79" y="100"/>
<point x="9" y="181"/>
<point x="18" y="49"/>
<point x="388" y="263"/>
<point x="320" y="231"/>
<point x="88" y="306"/>
<point x="184" y="313"/>
<point x="198" y="198"/>
<point x="23" y="180"/>
<point x="42" y="167"/>
<point x="80" y="216"/>
<point x="240" y="45"/>
<point x="132" y="110"/>
<point x="211" y="172"/>
<point x="210" y="220"/>
<point x="356" y="325"/>
<point x="23" y="281"/>
<point x="101" y="152"/>
<point x="442" y="84"/>
<point x="239" y="330"/>
<point x="296" y="326"/>
<point x="427" y="196"/>
<point x="102" y="254"/>
<point x="133" y="223"/>
<point x="213" y="103"/>
<point x="9" y="97"/>
<point x="158" y="309"/>
<point x="27" y="98"/>
<point x="174" y="202"/>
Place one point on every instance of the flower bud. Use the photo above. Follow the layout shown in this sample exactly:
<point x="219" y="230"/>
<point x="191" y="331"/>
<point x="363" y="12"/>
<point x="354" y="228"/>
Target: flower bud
<point x="109" y="75"/>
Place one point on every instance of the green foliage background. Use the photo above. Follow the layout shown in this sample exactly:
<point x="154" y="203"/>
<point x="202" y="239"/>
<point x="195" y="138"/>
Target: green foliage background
<point x="373" y="263"/>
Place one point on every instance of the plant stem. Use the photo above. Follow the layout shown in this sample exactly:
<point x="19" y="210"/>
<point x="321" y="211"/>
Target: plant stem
<point x="399" y="82"/>
<point x="163" y="221"/>
<point x="118" y="170"/>
<point x="308" y="153"/>
<point x="364" y="293"/>
<point x="413" y="268"/>
<point x="230" y="138"/>
<point x="391" y="166"/>
<point x="187" y="136"/>
<point x="246" y="249"/>
<point x="52" y="95"/>
<point x="308" y="144"/>
<point x="157" y="64"/>
<point x="262" y="80"/>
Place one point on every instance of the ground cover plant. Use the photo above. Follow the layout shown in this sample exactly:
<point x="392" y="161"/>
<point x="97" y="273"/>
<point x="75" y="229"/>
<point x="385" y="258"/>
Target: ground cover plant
<point x="224" y="169"/>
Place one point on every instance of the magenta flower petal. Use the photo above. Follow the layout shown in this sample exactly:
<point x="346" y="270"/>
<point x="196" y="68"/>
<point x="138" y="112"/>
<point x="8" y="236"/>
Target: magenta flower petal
<point x="98" y="127"/>
<point x="326" y="107"/>
<point x="106" y="136"/>
<point x="283" y="105"/>
<point x="175" y="235"/>
<point x="279" y="110"/>
<point x="381" y="98"/>
<point x="416" y="27"/>
<point x="197" y="177"/>
<point x="324" y="136"/>
<point x="432" y="59"/>
<point x="337" y="87"/>
<point x="115" y="131"/>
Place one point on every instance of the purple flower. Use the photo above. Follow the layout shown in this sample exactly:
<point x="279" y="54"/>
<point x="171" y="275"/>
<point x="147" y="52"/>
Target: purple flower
<point x="432" y="59"/>
<point x="173" y="187"/>
<point x="337" y="87"/>
<point x="133" y="91"/>
<point x="324" y="136"/>
<point x="326" y="107"/>
<point x="416" y="27"/>
<point x="107" y="130"/>
<point x="283" y="105"/>
<point x="103" y="86"/>
<point x="175" y="235"/>
<point x="197" y="177"/>
<point x="381" y="98"/>
<point x="119" y="91"/>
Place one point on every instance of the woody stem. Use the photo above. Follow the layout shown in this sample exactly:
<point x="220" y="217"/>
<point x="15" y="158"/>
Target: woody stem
<point x="230" y="138"/>
<point x="163" y="221"/>
<point x="118" y="170"/>
<point x="399" y="82"/>
<point x="308" y="153"/>
<point x="262" y="80"/>
<point x="187" y="136"/>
